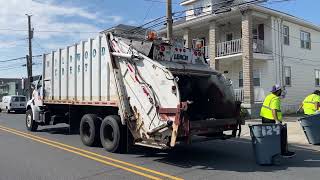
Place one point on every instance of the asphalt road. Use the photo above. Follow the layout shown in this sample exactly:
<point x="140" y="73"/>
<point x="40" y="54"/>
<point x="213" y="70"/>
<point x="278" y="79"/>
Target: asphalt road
<point x="52" y="153"/>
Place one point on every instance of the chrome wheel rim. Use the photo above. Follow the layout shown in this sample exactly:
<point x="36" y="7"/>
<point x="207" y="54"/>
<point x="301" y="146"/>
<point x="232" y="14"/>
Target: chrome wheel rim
<point x="29" y="119"/>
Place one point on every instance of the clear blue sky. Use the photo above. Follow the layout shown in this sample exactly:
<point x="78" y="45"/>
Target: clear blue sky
<point x="89" y="16"/>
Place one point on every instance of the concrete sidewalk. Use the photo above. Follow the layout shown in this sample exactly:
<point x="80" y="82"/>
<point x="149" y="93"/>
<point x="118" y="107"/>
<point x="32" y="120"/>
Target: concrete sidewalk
<point x="295" y="133"/>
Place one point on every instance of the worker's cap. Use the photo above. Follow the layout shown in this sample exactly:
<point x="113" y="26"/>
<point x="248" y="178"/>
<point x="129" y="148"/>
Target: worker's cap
<point x="275" y="88"/>
<point x="316" y="92"/>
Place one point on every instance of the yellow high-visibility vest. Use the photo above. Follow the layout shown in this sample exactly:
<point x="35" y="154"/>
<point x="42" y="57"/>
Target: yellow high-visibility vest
<point x="309" y="104"/>
<point x="271" y="102"/>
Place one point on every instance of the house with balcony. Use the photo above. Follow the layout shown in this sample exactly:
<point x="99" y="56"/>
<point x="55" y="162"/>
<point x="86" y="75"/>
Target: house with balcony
<point x="255" y="47"/>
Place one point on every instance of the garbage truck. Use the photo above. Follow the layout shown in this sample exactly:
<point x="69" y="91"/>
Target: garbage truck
<point x="120" y="90"/>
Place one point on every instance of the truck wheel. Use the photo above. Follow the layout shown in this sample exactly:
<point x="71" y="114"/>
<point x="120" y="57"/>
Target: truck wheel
<point x="89" y="129"/>
<point x="30" y="123"/>
<point x="111" y="134"/>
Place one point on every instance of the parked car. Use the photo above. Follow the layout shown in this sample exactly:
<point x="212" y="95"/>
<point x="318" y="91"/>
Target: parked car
<point x="13" y="103"/>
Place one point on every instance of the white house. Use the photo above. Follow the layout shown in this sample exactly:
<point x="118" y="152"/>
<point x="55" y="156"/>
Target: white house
<point x="255" y="47"/>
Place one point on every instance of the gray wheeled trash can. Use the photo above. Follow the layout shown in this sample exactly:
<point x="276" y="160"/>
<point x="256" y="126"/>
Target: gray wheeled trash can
<point x="266" y="143"/>
<point x="311" y="128"/>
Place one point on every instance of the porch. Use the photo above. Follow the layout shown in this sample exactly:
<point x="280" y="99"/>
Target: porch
<point x="234" y="47"/>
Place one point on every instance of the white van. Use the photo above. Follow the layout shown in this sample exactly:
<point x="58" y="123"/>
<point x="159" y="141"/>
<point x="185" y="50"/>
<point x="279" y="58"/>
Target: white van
<point x="13" y="103"/>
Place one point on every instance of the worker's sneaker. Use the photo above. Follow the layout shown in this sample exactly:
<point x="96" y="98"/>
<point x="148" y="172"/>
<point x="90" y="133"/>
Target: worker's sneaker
<point x="288" y="154"/>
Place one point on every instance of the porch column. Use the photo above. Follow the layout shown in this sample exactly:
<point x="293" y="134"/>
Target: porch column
<point x="214" y="63"/>
<point x="247" y="59"/>
<point x="187" y="37"/>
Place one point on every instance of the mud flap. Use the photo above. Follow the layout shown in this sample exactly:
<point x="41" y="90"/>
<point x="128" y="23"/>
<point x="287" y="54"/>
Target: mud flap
<point x="174" y="134"/>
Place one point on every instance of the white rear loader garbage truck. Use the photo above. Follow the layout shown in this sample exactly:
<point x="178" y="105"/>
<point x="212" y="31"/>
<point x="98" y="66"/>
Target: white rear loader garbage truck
<point x="119" y="90"/>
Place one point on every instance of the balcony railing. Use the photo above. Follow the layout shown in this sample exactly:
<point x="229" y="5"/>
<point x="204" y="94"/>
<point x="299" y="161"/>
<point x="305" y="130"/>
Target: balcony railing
<point x="229" y="47"/>
<point x="234" y="47"/>
<point x="258" y="94"/>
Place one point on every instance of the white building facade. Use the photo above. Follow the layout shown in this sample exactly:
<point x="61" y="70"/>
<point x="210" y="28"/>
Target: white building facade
<point x="255" y="47"/>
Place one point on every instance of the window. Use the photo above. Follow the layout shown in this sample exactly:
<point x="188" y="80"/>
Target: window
<point x="305" y="39"/>
<point x="229" y="36"/>
<point x="317" y="77"/>
<point x="286" y="35"/>
<point x="287" y="75"/>
<point x="256" y="78"/>
<point x="240" y="79"/>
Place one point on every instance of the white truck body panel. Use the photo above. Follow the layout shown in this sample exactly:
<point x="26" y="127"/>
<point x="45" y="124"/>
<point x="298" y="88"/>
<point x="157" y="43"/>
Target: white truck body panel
<point x="56" y="75"/>
<point x="87" y="73"/>
<point x="64" y="73"/>
<point x="81" y="72"/>
<point x="96" y="69"/>
<point x="71" y="75"/>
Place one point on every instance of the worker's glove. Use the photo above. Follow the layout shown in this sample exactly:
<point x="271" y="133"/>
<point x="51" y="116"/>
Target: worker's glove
<point x="299" y="111"/>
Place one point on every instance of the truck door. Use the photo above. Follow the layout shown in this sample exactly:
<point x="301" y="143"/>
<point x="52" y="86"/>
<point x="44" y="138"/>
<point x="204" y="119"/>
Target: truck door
<point x="37" y="93"/>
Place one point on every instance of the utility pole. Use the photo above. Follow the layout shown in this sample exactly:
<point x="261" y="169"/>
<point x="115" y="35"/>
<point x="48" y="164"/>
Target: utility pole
<point x="169" y="20"/>
<point x="29" y="57"/>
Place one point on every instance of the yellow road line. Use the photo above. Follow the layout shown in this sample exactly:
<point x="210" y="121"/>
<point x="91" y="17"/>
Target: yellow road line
<point x="97" y="155"/>
<point x="84" y="155"/>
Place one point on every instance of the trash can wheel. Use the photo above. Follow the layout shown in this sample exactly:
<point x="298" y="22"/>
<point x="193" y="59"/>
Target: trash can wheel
<point x="276" y="159"/>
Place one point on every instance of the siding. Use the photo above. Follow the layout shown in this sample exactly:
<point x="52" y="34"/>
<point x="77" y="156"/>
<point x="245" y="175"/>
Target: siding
<point x="302" y="71"/>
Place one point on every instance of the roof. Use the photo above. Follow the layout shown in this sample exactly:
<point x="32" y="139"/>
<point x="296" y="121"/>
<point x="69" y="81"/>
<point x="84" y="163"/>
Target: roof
<point x="285" y="16"/>
<point x="123" y="27"/>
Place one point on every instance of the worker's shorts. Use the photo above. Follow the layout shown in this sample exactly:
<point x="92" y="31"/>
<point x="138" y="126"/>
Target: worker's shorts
<point x="266" y="120"/>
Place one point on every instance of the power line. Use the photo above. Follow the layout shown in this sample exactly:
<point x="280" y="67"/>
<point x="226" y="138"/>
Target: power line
<point x="210" y="11"/>
<point x="223" y="7"/>
<point x="148" y="11"/>
<point x="48" y="31"/>
<point x="158" y="1"/>
<point x="249" y="2"/>
<point x="37" y="44"/>
<point x="18" y="67"/>
<point x="16" y="59"/>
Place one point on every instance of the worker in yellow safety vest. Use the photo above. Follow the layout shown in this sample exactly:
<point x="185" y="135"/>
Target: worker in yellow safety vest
<point x="271" y="108"/>
<point x="271" y="113"/>
<point x="311" y="103"/>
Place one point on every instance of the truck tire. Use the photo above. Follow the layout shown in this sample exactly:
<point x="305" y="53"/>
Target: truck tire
<point x="111" y="134"/>
<point x="31" y="124"/>
<point x="89" y="129"/>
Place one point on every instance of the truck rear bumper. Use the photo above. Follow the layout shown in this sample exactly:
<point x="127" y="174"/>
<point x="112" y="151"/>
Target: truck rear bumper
<point x="211" y="126"/>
